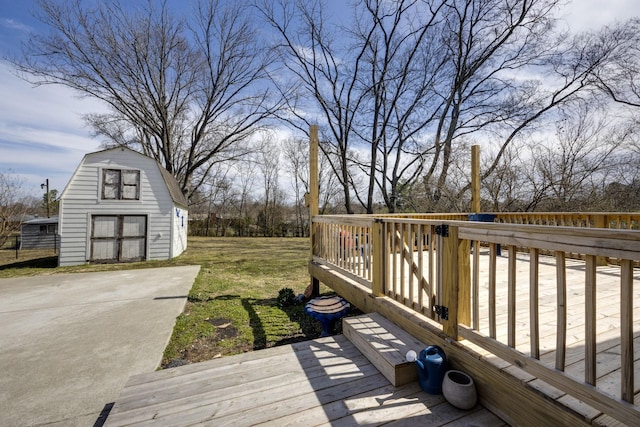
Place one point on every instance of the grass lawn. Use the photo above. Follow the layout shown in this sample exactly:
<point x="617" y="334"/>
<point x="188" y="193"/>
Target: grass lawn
<point x="233" y="305"/>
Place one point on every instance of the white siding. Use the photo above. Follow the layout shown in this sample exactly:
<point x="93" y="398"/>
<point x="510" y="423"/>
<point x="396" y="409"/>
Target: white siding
<point x="81" y="199"/>
<point x="179" y="231"/>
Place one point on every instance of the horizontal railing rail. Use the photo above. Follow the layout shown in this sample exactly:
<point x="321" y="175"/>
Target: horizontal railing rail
<point x="439" y="267"/>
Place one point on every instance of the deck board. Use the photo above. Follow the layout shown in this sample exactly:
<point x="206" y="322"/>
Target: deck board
<point x="325" y="381"/>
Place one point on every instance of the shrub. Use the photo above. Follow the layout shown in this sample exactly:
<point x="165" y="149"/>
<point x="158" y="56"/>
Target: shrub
<point x="286" y="297"/>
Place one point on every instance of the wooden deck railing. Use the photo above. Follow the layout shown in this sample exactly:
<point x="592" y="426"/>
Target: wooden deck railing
<point x="345" y="243"/>
<point x="433" y="266"/>
<point x="615" y="220"/>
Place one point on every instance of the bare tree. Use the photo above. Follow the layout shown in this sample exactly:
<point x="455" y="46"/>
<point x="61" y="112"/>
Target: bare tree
<point x="574" y="165"/>
<point x="571" y="78"/>
<point x="368" y="86"/>
<point x="402" y="85"/>
<point x="188" y="92"/>
<point x="217" y="196"/>
<point x="620" y="77"/>
<point x="504" y="189"/>
<point x="244" y="180"/>
<point x="398" y="103"/>
<point x="487" y="43"/>
<point x="268" y="163"/>
<point x="418" y="196"/>
<point x="13" y="205"/>
<point x="310" y="53"/>
<point x="412" y="79"/>
<point x="295" y="154"/>
<point x="566" y="171"/>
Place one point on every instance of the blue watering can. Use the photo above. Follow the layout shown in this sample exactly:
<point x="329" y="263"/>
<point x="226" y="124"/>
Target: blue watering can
<point x="432" y="365"/>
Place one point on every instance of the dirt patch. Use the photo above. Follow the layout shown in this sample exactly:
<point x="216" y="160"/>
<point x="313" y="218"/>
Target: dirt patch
<point x="219" y="322"/>
<point x="224" y="328"/>
<point x="207" y="348"/>
<point x="175" y="363"/>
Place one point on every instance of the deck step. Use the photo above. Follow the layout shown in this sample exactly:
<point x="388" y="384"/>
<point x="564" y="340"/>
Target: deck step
<point x="385" y="345"/>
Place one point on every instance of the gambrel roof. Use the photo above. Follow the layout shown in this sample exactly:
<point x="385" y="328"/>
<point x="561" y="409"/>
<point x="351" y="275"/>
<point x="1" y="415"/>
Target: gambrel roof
<point x="171" y="183"/>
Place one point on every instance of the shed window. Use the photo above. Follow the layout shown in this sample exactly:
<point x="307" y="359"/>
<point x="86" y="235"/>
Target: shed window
<point x="120" y="184"/>
<point x="48" y="229"/>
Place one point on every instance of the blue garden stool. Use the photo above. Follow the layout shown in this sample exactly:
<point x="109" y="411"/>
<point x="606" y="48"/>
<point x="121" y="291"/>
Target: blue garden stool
<point x="327" y="310"/>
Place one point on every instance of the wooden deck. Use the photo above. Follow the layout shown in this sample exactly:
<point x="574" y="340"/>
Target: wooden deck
<point x="329" y="382"/>
<point x="606" y="329"/>
<point x="321" y="382"/>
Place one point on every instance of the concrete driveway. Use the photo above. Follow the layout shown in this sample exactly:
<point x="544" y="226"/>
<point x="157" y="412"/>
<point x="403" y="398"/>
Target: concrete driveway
<point x="69" y="342"/>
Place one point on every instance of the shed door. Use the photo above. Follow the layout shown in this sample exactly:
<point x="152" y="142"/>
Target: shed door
<point x="118" y="238"/>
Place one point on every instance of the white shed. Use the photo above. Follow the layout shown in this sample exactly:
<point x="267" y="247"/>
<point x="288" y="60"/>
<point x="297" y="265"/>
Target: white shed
<point x="121" y="206"/>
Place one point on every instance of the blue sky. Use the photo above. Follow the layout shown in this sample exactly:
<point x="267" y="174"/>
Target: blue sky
<point x="42" y="134"/>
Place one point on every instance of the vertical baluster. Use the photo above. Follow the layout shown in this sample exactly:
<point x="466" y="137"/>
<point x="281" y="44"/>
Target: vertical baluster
<point x="534" y="317"/>
<point x="411" y="236"/>
<point x="368" y="248"/>
<point x="379" y="258"/>
<point x="437" y="296"/>
<point x="324" y="240"/>
<point x="432" y="271"/>
<point x="401" y="259"/>
<point x="338" y="245"/>
<point x="626" y="329"/>
<point x="394" y="270"/>
<point x="348" y="244"/>
<point x="590" y="320"/>
<point x="476" y="285"/>
<point x="492" y="290"/>
<point x="387" y="257"/>
<point x="361" y="254"/>
<point x="561" y="331"/>
<point x="330" y="238"/>
<point x="511" y="298"/>
<point x="420" y="237"/>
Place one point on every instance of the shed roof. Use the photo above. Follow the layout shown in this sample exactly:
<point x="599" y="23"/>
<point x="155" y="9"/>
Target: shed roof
<point x="174" y="188"/>
<point x="171" y="183"/>
<point x="51" y="220"/>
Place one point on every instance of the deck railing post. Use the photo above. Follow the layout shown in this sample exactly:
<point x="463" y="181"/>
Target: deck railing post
<point x="379" y="253"/>
<point x="312" y="199"/>
<point x="450" y="280"/>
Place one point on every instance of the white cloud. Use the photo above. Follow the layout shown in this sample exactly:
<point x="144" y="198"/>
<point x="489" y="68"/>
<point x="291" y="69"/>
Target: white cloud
<point x="42" y="133"/>
<point x="584" y="15"/>
<point x="15" y="25"/>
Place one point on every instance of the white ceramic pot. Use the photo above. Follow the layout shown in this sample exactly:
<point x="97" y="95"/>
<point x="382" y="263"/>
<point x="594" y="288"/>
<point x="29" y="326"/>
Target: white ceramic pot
<point x="459" y="390"/>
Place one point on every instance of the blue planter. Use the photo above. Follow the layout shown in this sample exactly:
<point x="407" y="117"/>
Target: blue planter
<point x="484" y="217"/>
